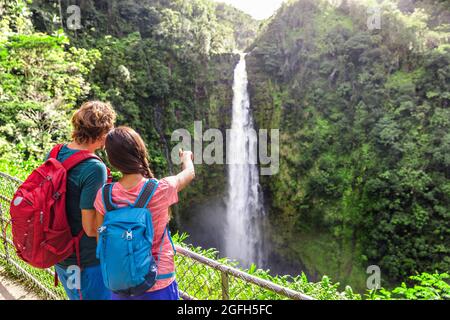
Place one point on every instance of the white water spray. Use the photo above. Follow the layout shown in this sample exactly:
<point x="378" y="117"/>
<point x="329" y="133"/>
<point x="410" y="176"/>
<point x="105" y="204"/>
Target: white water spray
<point x="244" y="204"/>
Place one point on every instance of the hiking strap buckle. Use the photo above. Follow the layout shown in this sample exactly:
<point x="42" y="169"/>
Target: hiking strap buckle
<point x="129" y="235"/>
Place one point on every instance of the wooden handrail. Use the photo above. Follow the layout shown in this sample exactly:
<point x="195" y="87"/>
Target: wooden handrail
<point x="242" y="275"/>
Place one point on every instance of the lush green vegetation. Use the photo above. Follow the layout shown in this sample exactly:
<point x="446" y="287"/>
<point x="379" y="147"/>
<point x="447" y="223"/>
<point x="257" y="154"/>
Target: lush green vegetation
<point x="163" y="65"/>
<point x="244" y="27"/>
<point x="363" y="116"/>
<point x="42" y="80"/>
<point x="364" y="119"/>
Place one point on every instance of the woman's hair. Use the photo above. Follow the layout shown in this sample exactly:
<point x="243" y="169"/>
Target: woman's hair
<point x="92" y="121"/>
<point x="127" y="152"/>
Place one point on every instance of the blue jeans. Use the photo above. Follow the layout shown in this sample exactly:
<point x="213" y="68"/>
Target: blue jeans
<point x="168" y="293"/>
<point x="91" y="283"/>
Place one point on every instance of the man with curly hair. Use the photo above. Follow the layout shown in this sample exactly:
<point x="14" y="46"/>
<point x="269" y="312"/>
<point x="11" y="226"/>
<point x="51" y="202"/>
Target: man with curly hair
<point x="91" y="123"/>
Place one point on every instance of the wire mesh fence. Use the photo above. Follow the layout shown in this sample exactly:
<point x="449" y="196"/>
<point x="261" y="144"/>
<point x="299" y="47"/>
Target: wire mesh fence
<point x="42" y="280"/>
<point x="199" y="277"/>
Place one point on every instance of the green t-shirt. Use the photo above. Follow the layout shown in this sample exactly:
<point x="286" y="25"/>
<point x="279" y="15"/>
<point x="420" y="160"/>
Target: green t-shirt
<point x="83" y="182"/>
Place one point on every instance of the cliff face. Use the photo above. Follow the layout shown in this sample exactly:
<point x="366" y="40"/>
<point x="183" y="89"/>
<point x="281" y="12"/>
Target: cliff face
<point x="362" y="176"/>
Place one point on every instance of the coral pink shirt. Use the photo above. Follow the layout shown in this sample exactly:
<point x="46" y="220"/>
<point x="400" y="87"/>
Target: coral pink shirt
<point x="165" y="195"/>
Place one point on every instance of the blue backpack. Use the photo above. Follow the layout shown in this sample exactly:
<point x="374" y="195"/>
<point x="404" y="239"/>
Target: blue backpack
<point x="125" y="244"/>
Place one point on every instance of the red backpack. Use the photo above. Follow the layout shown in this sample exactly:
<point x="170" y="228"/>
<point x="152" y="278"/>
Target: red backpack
<point x="41" y="232"/>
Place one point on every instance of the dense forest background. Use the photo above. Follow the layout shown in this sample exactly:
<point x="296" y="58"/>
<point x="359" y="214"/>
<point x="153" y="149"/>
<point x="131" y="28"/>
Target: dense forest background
<point x="365" y="141"/>
<point x="363" y="114"/>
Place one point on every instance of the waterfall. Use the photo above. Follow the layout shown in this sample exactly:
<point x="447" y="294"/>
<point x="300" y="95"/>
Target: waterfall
<point x="243" y="238"/>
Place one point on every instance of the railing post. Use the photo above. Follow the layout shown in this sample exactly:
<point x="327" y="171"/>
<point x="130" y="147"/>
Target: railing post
<point x="3" y="227"/>
<point x="225" y="286"/>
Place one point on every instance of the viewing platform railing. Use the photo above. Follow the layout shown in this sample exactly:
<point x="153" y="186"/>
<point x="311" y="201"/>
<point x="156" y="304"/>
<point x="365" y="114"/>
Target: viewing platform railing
<point x="198" y="277"/>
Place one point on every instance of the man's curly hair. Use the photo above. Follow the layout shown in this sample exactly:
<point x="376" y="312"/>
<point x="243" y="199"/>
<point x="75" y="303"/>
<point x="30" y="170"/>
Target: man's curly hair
<point x="92" y="121"/>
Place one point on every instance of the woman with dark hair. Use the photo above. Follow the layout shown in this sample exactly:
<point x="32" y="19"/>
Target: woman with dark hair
<point x="127" y="153"/>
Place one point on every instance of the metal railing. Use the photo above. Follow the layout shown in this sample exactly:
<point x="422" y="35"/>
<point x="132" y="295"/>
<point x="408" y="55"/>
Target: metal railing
<point x="199" y="277"/>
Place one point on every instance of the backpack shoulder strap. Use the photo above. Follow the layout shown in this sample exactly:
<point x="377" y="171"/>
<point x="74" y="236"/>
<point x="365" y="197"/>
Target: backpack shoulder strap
<point x="147" y="192"/>
<point x="107" y="197"/>
<point x="55" y="151"/>
<point x="77" y="158"/>
<point x="171" y="274"/>
<point x="81" y="156"/>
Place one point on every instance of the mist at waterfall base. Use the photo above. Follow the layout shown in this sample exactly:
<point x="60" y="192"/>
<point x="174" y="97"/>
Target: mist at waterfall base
<point x="206" y="226"/>
<point x="236" y="224"/>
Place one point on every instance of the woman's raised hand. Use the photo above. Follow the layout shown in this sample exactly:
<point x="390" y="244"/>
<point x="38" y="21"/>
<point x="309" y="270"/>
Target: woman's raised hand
<point x="188" y="174"/>
<point x="185" y="156"/>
